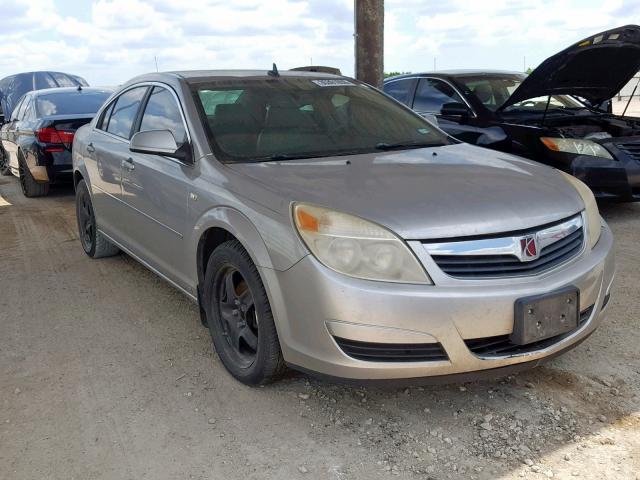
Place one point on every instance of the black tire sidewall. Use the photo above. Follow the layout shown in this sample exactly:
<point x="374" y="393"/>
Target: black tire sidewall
<point x="30" y="188"/>
<point x="231" y="254"/>
<point x="82" y="189"/>
<point x="4" y="162"/>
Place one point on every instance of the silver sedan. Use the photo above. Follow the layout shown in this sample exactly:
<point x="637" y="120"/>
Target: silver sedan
<point x="321" y="225"/>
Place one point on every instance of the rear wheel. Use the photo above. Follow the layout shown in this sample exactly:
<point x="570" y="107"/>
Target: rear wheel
<point x="94" y="243"/>
<point x="240" y="318"/>
<point x="4" y="163"/>
<point x="29" y="186"/>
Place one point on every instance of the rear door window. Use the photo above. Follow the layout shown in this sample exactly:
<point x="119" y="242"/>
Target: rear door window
<point x="104" y="118"/>
<point x="163" y="113"/>
<point x="401" y="90"/>
<point x="19" y="112"/>
<point x="432" y="94"/>
<point x="16" y="110"/>
<point x="125" y="112"/>
<point x="29" y="111"/>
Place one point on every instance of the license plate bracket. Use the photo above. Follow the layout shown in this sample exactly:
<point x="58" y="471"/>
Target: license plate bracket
<point x="540" y="317"/>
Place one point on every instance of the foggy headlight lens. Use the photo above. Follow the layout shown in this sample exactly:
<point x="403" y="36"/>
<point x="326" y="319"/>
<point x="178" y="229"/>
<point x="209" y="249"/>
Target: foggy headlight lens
<point x="594" y="223"/>
<point x="356" y="247"/>
<point x="575" y="145"/>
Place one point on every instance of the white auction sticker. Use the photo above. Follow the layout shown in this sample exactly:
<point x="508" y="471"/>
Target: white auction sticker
<point x="333" y="83"/>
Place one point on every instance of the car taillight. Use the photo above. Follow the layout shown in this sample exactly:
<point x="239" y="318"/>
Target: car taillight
<point x="52" y="135"/>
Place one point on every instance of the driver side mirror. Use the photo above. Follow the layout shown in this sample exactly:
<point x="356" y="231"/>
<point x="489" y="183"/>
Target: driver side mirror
<point x="455" y="109"/>
<point x="160" y="142"/>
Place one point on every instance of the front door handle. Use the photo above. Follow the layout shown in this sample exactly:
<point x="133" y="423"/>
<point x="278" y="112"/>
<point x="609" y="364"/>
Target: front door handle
<point x="128" y="164"/>
<point x="91" y="148"/>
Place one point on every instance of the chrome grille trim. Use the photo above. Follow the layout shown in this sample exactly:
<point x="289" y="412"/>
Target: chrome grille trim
<point x="503" y="256"/>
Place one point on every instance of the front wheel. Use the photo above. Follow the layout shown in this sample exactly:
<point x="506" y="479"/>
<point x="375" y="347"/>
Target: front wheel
<point x="239" y="317"/>
<point x="94" y="243"/>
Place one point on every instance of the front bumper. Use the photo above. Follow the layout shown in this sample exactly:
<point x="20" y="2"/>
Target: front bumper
<point x="313" y="305"/>
<point x="617" y="179"/>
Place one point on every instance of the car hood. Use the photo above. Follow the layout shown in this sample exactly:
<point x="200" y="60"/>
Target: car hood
<point x="442" y="192"/>
<point x="595" y="68"/>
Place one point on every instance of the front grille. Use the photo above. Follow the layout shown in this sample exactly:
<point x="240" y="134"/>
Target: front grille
<point x="501" y="345"/>
<point x="482" y="266"/>
<point x="392" y="352"/>
<point x="632" y="149"/>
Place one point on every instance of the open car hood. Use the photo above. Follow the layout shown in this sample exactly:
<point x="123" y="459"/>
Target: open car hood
<point x="595" y="68"/>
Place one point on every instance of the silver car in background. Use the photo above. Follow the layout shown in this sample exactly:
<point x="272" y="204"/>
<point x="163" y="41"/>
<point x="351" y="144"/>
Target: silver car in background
<point x="322" y="225"/>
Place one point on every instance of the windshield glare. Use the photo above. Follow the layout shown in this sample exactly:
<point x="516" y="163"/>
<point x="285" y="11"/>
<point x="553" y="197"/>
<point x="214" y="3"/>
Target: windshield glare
<point x="494" y="91"/>
<point x="284" y="118"/>
<point x="80" y="103"/>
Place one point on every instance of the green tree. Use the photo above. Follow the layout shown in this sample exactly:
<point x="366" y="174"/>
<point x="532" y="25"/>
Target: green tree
<point x="393" y="74"/>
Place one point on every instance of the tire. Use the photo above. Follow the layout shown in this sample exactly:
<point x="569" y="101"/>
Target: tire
<point x="230" y="269"/>
<point x="30" y="188"/>
<point x="94" y="243"/>
<point x="4" y="163"/>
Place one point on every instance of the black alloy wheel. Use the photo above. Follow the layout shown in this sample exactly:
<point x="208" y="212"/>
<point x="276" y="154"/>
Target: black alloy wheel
<point x="239" y="316"/>
<point x="86" y="220"/>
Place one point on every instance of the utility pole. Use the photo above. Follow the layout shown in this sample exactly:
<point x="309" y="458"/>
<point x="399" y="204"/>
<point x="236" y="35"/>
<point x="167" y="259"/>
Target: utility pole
<point x="369" y="41"/>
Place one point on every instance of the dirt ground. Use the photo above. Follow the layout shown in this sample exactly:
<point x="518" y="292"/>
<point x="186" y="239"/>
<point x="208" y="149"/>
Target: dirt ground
<point x="106" y="373"/>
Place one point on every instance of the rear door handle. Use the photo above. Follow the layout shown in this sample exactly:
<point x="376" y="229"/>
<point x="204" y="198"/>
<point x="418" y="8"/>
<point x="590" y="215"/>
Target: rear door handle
<point x="91" y="148"/>
<point x="128" y="164"/>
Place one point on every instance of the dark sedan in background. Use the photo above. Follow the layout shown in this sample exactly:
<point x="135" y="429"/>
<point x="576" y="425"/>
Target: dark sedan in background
<point x="38" y="137"/>
<point x="554" y="115"/>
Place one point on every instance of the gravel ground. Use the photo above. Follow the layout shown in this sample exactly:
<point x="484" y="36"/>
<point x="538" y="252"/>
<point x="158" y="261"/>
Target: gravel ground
<point x="106" y="373"/>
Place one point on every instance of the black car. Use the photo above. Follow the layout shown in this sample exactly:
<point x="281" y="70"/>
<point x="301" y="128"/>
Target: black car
<point x="556" y="115"/>
<point x="38" y="137"/>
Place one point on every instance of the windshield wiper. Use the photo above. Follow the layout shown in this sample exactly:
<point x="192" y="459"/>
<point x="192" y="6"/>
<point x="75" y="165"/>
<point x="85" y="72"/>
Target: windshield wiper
<point x="287" y="156"/>
<point x="404" y="145"/>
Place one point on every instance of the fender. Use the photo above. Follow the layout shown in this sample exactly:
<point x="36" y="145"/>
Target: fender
<point x="80" y="170"/>
<point x="238" y="225"/>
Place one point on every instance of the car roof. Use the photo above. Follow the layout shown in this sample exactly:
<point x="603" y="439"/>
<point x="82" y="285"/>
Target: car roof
<point x="202" y="74"/>
<point x="198" y="76"/>
<point x="457" y="73"/>
<point x="72" y="76"/>
<point x="50" y="91"/>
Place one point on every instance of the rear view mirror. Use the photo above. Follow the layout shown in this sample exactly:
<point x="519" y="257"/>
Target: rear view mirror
<point x="159" y="142"/>
<point x="455" y="109"/>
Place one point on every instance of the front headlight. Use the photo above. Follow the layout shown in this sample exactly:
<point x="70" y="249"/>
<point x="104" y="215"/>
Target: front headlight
<point x="356" y="247"/>
<point x="575" y="145"/>
<point x="594" y="223"/>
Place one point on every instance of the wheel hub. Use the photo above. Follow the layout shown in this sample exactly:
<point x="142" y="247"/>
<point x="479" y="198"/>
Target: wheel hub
<point x="238" y="316"/>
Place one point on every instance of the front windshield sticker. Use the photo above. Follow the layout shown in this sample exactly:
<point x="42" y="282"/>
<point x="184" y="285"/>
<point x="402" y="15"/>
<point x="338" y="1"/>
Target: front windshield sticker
<point x="333" y="83"/>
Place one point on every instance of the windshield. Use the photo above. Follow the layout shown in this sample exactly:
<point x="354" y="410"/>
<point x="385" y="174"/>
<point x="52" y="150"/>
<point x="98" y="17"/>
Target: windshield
<point x="286" y="118"/>
<point x="494" y="91"/>
<point x="70" y="103"/>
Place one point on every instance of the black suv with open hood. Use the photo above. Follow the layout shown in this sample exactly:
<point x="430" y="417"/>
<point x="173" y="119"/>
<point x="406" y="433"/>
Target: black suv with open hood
<point x="551" y="115"/>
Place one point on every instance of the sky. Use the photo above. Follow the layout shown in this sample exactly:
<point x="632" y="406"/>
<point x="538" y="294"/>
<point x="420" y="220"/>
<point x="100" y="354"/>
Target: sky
<point x="110" y="41"/>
